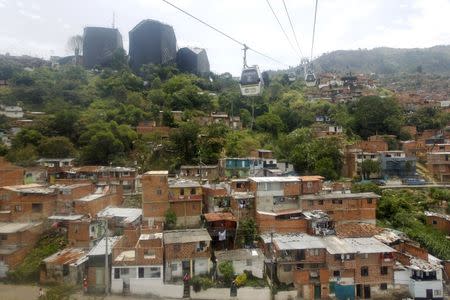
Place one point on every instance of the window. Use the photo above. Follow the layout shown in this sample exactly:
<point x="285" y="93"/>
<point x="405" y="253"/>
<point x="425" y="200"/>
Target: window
<point x="162" y="179"/>
<point x="337" y="273"/>
<point x="384" y="270"/>
<point x="18" y="208"/>
<point x="239" y="185"/>
<point x="364" y="255"/>
<point x="176" y="247"/>
<point x="158" y="192"/>
<point x="154" y="272"/>
<point x="383" y="286"/>
<point x="337" y="201"/>
<point x="364" y="271"/>
<point x="437" y="293"/>
<point x="320" y="202"/>
<point x="148" y="254"/>
<point x="141" y="272"/>
<point x="287" y="268"/>
<point x="314" y="252"/>
<point x="311" y="202"/>
<point x="181" y="192"/>
<point x="337" y="257"/>
<point x="174" y="267"/>
<point x="248" y="263"/>
<point x="369" y="201"/>
<point x="3" y="237"/>
<point x="434" y="222"/>
<point x="116" y="273"/>
<point x="193" y="191"/>
<point x="124" y="271"/>
<point x="36" y="207"/>
<point x="201" y="246"/>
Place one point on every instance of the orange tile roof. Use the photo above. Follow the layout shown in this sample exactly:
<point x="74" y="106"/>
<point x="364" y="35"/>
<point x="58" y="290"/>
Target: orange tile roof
<point x="225" y="216"/>
<point x="355" y="230"/>
<point x="311" y="178"/>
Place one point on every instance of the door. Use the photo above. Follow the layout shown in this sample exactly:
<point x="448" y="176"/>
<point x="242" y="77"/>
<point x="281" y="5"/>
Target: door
<point x="317" y="291"/>
<point x="367" y="292"/>
<point x="186" y="266"/>
<point x="429" y="294"/>
<point x="358" y="290"/>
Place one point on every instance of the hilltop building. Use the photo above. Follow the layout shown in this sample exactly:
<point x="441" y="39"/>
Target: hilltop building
<point x="151" y="42"/>
<point x="193" y="60"/>
<point x="99" y="44"/>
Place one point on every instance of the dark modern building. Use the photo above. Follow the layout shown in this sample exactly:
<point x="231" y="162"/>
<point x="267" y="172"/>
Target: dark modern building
<point x="193" y="60"/>
<point x="99" y="44"/>
<point x="152" y="42"/>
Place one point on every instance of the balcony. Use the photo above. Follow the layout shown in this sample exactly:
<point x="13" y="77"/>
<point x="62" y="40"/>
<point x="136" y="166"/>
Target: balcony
<point x="175" y="198"/>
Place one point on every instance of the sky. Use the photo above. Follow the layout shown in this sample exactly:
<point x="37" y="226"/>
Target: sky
<point x="42" y="27"/>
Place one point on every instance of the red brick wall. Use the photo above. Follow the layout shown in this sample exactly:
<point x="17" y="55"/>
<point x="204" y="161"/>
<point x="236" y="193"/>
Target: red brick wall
<point x="413" y="250"/>
<point x="186" y="251"/>
<point x="442" y="224"/>
<point x="10" y="174"/>
<point x="267" y="223"/>
<point x="155" y="204"/>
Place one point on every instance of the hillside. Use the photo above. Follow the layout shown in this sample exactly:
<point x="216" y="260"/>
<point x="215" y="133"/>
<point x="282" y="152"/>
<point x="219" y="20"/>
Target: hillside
<point x="384" y="60"/>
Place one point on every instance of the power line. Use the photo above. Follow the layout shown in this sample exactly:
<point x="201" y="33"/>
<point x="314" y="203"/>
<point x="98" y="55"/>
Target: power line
<point x="224" y="34"/>
<point x="292" y="28"/>
<point x="314" y="30"/>
<point x="281" y="26"/>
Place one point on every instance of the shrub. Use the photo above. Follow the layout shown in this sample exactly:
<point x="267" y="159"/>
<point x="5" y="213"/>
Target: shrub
<point x="241" y="280"/>
<point x="227" y="271"/>
<point x="201" y="283"/>
<point x="196" y="284"/>
<point x="171" y="219"/>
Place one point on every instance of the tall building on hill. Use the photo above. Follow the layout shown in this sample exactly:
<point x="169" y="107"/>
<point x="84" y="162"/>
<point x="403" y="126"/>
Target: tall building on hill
<point x="193" y="60"/>
<point x="152" y="42"/>
<point x="99" y="44"/>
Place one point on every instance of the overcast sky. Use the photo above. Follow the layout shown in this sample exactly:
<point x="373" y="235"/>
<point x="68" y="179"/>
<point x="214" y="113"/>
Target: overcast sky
<point x="42" y="27"/>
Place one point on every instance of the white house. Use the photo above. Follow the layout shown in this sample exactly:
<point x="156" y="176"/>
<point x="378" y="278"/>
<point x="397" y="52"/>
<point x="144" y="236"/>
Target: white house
<point x="14" y="112"/>
<point x="243" y="260"/>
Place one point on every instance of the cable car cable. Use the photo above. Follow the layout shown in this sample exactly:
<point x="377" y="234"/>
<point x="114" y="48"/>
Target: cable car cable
<point x="282" y="28"/>
<point x="314" y="29"/>
<point x="292" y="28"/>
<point x="224" y="34"/>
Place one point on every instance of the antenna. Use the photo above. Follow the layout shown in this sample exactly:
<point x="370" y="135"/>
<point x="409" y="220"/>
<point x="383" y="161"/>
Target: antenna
<point x="114" y="20"/>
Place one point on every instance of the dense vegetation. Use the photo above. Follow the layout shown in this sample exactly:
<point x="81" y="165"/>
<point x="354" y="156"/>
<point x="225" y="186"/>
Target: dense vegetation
<point x="387" y="61"/>
<point x="403" y="210"/>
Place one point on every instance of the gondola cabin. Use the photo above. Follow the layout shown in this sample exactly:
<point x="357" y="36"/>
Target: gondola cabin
<point x="251" y="82"/>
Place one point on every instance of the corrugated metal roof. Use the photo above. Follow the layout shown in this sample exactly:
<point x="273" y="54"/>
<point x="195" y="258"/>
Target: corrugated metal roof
<point x="186" y="236"/>
<point x="161" y="172"/>
<point x="219" y="216"/>
<point x="6" y="228"/>
<point x="67" y="256"/>
<point x="100" y="248"/>
<point x="368" y="245"/>
<point x="66" y="217"/>
<point x="275" y="179"/>
<point x="129" y="215"/>
<point x="239" y="254"/>
<point x="298" y="241"/>
<point x="433" y="214"/>
<point x="340" y="196"/>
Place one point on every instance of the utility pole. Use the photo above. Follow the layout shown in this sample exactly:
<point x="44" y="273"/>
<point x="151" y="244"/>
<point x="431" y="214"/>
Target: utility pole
<point x="106" y="258"/>
<point x="271" y="264"/>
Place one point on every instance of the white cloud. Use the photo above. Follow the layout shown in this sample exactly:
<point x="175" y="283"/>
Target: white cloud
<point x="29" y="14"/>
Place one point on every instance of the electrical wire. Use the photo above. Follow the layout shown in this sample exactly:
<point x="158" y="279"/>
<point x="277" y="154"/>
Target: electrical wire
<point x="292" y="28"/>
<point x="224" y="34"/>
<point x="314" y="29"/>
<point x="282" y="28"/>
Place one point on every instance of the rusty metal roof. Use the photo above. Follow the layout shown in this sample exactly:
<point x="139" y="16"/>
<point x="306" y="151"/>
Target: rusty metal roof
<point x="219" y="216"/>
<point x="67" y="256"/>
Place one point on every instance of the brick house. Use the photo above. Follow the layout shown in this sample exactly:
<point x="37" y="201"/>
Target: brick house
<point x="242" y="205"/>
<point x="344" y="207"/>
<point x="221" y="227"/>
<point x="200" y="172"/>
<point x="250" y="260"/>
<point x="321" y="267"/>
<point x="29" y="202"/>
<point x="185" y="198"/>
<point x="438" y="221"/>
<point x="90" y="205"/>
<point x="311" y="184"/>
<point x="68" y="193"/>
<point x="155" y="195"/>
<point x="186" y="252"/>
<point x="16" y="240"/>
<point x="438" y="164"/>
<point x="10" y="174"/>
<point x="84" y="232"/>
<point x="216" y="198"/>
<point x="137" y="261"/>
<point x="65" y="266"/>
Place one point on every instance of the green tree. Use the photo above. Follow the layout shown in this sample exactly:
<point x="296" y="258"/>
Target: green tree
<point x="247" y="232"/>
<point x="56" y="147"/>
<point x="376" y="115"/>
<point x="102" y="148"/>
<point x="227" y="271"/>
<point x="23" y="156"/>
<point x="184" y="142"/>
<point x="369" y="166"/>
<point x="270" y="123"/>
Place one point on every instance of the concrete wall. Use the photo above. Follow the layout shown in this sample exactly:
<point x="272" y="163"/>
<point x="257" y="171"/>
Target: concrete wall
<point x="418" y="289"/>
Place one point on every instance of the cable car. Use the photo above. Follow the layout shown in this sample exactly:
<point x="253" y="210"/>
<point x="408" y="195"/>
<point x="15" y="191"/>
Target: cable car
<point x="251" y="82"/>
<point x="292" y="77"/>
<point x="310" y="79"/>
